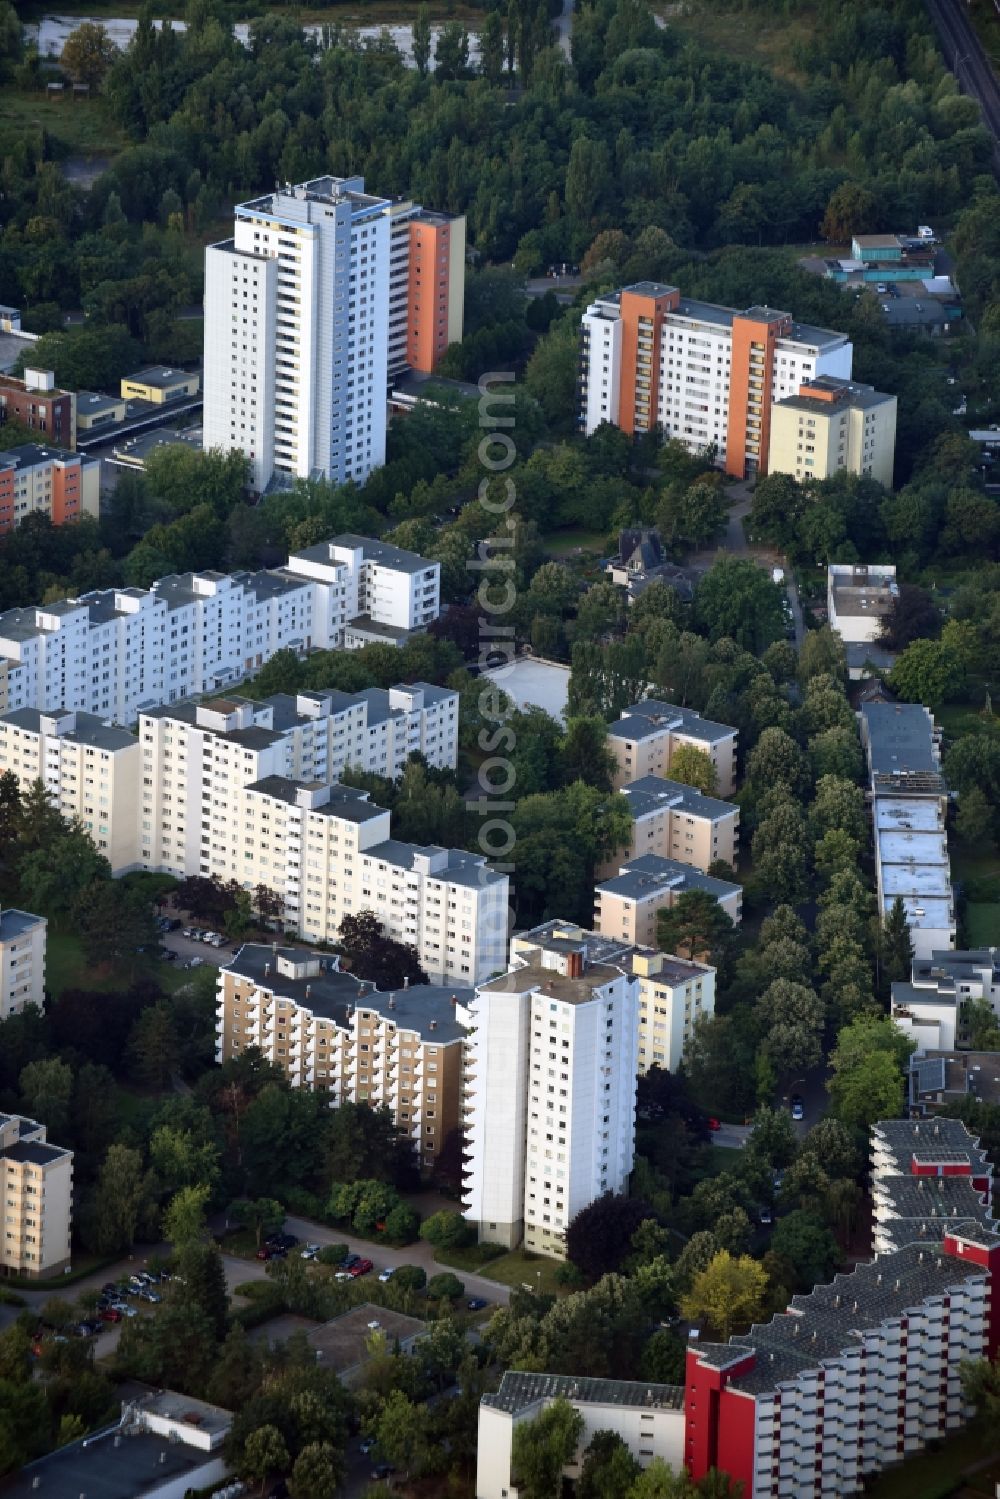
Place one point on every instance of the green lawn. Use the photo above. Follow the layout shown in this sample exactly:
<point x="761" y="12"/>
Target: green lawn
<point x="768" y="37"/>
<point x="66" y="968"/>
<point x="982" y="923"/>
<point x="519" y="1268"/>
<point x="932" y="1475"/>
<point x="471" y="1257"/>
<point x="81" y="125"/>
<point x="574" y="539"/>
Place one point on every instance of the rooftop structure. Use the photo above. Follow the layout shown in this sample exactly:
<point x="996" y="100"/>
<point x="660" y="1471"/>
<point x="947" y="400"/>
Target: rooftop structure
<point x="928" y="1006"/>
<point x="939" y="1078"/>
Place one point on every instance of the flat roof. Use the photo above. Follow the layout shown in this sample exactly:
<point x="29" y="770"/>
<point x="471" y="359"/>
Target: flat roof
<point x="88" y="729"/>
<point x="382" y="552"/>
<point x="529" y="682"/>
<point x="34" y="1152"/>
<point x="519" y="1392"/>
<point x="14" y="923"/>
<point x="160" y="376"/>
<point x="574" y="991"/>
<point x="141" y="1463"/>
<point x="643" y="877"/>
<point x="90" y="402"/>
<point x="138" y="448"/>
<point x="900" y="738"/>
<point x="907" y="814"/>
<point x="30" y="454"/>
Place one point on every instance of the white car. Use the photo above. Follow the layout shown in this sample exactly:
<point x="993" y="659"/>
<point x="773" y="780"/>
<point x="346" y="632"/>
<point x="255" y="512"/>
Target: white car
<point x="386" y="1274"/>
<point x="343" y="1275"/>
<point x="310" y="1252"/>
<point x="195" y="962"/>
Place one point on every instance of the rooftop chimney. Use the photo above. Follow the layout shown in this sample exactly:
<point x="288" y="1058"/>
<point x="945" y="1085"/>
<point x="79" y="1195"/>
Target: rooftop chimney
<point x="406" y="980"/>
<point x="434" y="1025"/>
<point x="309" y="990"/>
<point x="267" y="969"/>
<point x="392" y="1001"/>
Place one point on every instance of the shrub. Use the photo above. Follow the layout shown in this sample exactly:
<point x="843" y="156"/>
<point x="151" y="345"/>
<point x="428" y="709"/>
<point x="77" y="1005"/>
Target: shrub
<point x="410" y="1278"/>
<point x="333" y="1254"/>
<point x="445" y="1287"/>
<point x="447" y="1230"/>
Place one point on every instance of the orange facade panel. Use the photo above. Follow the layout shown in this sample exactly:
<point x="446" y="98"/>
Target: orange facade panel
<point x="751" y="383"/>
<point x="427" y="310"/>
<point x="642" y="317"/>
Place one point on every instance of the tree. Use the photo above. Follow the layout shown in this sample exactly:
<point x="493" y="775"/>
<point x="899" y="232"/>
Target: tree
<point x="52" y="878"/>
<point x="868" y="1063"/>
<point x="317" y="1472"/>
<point x="203" y="1284"/>
<point x="790" y="1021"/>
<point x="695" y="925"/>
<point x="422" y="40"/>
<point x="377" y="957"/>
<point x="451" y="55"/>
<point x="807" y="1244"/>
<point x="912" y="615"/>
<point x="153" y="1045"/>
<point x="850" y="210"/>
<point x="184" y="1216"/>
<point x="981" y="1386"/>
<point x="447" y="1230"/>
<point x="776" y="760"/>
<point x="736" y="598"/>
<point x="584" y="754"/>
<point x="113" y="921"/>
<point x="727" y="1293"/>
<point x="402" y="1434"/>
<point x="975" y="820"/>
<point x="265" y="1215"/>
<point x="924" y="673"/>
<point x="88" y="53"/>
<point x="46" y="1093"/>
<point x="264" y="1453"/>
<point x="599" y="1238"/>
<point x="694" y="767"/>
<point x="608" y="1468"/>
<point x="895" y="945"/>
<point x="445" y="1287"/>
<point x="542" y="1448"/>
<point x="117" y="1201"/>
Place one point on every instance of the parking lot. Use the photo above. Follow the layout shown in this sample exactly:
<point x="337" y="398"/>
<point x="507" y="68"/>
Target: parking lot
<point x="188" y="948"/>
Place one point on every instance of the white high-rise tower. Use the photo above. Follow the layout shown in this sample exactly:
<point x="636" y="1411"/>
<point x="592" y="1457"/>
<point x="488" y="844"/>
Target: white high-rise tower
<point x="296" y="333"/>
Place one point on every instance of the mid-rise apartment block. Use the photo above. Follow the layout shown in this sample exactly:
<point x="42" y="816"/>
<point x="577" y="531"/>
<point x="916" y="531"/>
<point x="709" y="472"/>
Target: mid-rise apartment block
<point x="649" y="1418"/>
<point x="550" y="1086"/>
<point x="705" y="375"/>
<point x="626" y="904"/>
<point x="117" y="651"/>
<point x="330" y="1031"/>
<point x="22" y="961"/>
<point x="909" y="808"/>
<point x="859" y="597"/>
<point x="646" y="737"/>
<point x="36" y="1182"/>
<point x="89" y="768"/>
<point x="832" y="426"/>
<point x="677" y="822"/>
<point x="308" y="309"/>
<point x="674" y="993"/>
<point x="929" y="1178"/>
<point x="928" y="1006"/>
<point x="37" y="480"/>
<point x="38" y="403"/>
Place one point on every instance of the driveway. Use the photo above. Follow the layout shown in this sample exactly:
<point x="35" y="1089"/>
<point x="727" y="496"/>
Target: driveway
<point x="186" y="949"/>
<point x="733" y="1136"/>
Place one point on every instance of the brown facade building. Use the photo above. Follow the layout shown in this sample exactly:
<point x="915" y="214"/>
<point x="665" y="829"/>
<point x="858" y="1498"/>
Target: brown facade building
<point x="36" y="403"/>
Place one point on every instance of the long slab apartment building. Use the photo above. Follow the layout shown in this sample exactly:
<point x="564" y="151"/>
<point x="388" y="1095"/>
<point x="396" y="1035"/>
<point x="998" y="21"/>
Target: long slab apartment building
<point x="323" y="292"/>
<point x="247" y="791"/>
<point x="116" y="651"/>
<point x="849" y="1380"/>
<point x="705" y="374"/>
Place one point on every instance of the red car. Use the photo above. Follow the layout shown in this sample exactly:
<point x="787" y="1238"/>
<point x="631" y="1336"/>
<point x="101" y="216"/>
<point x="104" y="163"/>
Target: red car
<point x="361" y="1268"/>
<point x="111" y="1314"/>
<point x="714" y="1124"/>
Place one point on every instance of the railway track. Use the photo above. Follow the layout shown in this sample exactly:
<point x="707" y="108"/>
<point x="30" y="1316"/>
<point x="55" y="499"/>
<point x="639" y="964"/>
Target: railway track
<point x="965" y="57"/>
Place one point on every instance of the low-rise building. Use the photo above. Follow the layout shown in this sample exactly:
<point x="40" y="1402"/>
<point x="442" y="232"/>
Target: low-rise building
<point x="159" y="385"/>
<point x="38" y="403"/>
<point x="641" y="562"/>
<point x="647" y="735"/>
<point x="940" y="1078"/>
<point x="163" y="1446"/>
<point x="859" y="596"/>
<point x="36" y="480"/>
<point x="834" y="426"/>
<point x="626" y="904"/>
<point x="36" y="1180"/>
<point x="928" y="1006"/>
<point x="95" y="410"/>
<point x="674" y="993"/>
<point x="331" y="1031"/>
<point x="649" y="1418"/>
<point x="550" y="1087"/>
<point x="22" y="961"/>
<point x="677" y="822"/>
<point x="909" y="807"/>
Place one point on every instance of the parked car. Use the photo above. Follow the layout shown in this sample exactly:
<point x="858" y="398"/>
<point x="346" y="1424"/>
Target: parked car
<point x="310" y="1252"/>
<point x="194" y="963"/>
<point x="765" y="1216"/>
<point x="476" y="1303"/>
<point x="367" y="1445"/>
<point x="714" y="1124"/>
<point x="150" y="1295"/>
<point x="110" y="1314"/>
<point x="363" y="1267"/>
<point x="386" y="1275"/>
<point x="352" y="1259"/>
<point x="798" y="1107"/>
<point x="343" y="1275"/>
<point x="382" y="1470"/>
<point x="188" y="932"/>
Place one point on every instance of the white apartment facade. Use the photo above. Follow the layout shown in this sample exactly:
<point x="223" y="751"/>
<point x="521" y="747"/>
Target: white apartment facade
<point x="705" y="375"/>
<point x="858" y="598"/>
<point x="928" y="1006"/>
<point x="673" y="995"/>
<point x="89" y="768"/>
<point x="115" y="652"/>
<point x="36" y="1183"/>
<point x="331" y="1032"/>
<point x="649" y="1418"/>
<point x="296" y="333"/>
<point x="22" y="961"/>
<point x="550" y="1084"/>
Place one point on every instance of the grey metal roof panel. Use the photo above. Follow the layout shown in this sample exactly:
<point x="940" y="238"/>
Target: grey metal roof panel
<point x="519" y="1392"/>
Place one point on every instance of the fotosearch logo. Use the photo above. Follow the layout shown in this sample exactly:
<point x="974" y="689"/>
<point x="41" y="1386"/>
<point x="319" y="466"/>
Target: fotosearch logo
<point x="496" y="594"/>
